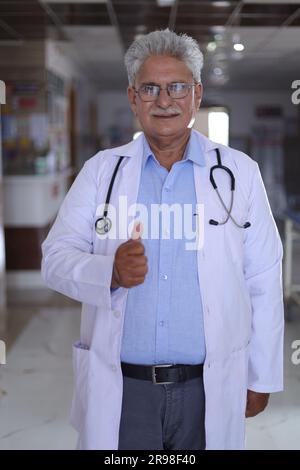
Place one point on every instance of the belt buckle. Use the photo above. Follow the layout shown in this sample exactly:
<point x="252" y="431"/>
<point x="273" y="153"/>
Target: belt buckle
<point x="154" y="374"/>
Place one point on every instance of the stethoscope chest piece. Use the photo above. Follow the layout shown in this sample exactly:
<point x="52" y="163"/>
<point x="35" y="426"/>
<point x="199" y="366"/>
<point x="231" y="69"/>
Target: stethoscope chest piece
<point x="103" y="225"/>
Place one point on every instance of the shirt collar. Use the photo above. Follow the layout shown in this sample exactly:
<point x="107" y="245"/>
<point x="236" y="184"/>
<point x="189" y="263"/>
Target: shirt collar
<point x="192" y="152"/>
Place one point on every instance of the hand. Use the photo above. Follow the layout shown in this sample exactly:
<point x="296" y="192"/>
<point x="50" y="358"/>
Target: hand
<point x="256" y="403"/>
<point x="130" y="263"/>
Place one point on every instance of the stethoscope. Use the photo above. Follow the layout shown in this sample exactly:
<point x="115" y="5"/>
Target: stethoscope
<point x="232" y="189"/>
<point x="103" y="224"/>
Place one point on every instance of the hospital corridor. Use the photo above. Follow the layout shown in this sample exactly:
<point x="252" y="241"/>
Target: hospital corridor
<point x="92" y="285"/>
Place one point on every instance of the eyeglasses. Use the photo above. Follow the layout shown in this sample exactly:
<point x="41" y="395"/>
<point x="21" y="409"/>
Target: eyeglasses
<point x="176" y="91"/>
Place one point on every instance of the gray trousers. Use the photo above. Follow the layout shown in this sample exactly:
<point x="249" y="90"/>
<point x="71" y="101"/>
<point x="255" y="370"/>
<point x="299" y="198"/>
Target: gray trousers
<point x="162" y="417"/>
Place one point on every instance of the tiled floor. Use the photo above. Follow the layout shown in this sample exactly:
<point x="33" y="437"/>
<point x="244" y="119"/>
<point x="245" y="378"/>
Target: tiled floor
<point x="36" y="383"/>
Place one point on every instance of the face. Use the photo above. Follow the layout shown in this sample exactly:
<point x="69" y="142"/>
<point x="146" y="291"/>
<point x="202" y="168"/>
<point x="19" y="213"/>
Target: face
<point x="165" y="117"/>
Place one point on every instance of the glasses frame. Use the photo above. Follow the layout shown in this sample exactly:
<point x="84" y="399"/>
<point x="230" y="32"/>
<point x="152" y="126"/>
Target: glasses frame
<point x="189" y="87"/>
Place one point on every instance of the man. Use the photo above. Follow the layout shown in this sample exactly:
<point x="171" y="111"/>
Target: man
<point x="180" y="341"/>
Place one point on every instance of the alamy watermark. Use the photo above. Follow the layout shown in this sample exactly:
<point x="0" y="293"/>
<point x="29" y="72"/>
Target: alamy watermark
<point x="2" y="352"/>
<point x="296" y="354"/>
<point x="2" y="92"/>
<point x="159" y="221"/>
<point x="296" y="94"/>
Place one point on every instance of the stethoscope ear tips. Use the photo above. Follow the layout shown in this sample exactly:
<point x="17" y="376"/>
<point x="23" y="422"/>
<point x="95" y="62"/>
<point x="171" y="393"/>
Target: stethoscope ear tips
<point x="247" y="224"/>
<point x="213" y="222"/>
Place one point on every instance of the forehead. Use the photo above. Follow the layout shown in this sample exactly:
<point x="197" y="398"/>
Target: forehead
<point x="163" y="69"/>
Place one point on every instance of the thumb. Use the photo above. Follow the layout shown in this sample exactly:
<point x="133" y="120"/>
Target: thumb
<point x="137" y="231"/>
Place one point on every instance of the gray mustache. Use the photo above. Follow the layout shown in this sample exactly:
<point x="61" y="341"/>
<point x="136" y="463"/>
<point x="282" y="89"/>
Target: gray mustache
<point x="165" y="112"/>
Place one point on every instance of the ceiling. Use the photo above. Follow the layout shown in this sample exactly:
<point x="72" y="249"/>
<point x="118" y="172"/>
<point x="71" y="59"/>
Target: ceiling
<point x="97" y="32"/>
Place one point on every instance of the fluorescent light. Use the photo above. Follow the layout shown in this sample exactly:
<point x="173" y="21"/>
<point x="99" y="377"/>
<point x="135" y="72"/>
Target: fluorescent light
<point x="238" y="47"/>
<point x="165" y="3"/>
<point x="221" y="4"/>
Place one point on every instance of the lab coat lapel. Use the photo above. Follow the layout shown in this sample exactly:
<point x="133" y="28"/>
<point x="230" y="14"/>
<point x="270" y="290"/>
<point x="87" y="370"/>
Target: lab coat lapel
<point x="210" y="259"/>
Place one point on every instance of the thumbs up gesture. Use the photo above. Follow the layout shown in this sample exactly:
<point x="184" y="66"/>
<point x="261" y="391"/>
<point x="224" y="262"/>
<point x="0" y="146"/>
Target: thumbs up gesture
<point x="130" y="263"/>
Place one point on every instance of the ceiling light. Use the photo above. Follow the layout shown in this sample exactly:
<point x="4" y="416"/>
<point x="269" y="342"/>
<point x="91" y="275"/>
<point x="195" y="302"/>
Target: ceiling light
<point x="141" y="28"/>
<point x="218" y="71"/>
<point x="211" y="46"/>
<point x="165" y="3"/>
<point x="239" y="47"/>
<point x="221" y="4"/>
<point x="138" y="36"/>
<point x="218" y="37"/>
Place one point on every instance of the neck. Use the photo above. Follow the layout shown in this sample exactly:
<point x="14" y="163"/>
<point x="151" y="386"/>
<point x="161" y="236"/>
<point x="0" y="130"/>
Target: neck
<point x="170" y="150"/>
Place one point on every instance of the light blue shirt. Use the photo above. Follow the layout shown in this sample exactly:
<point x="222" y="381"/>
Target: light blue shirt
<point x="163" y="317"/>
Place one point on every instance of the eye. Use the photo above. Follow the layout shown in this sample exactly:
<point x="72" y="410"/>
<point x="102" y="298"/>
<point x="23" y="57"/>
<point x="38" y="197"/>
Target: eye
<point x="149" y="89"/>
<point x="177" y="87"/>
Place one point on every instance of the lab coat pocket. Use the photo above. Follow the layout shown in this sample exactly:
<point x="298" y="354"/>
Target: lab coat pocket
<point x="81" y="367"/>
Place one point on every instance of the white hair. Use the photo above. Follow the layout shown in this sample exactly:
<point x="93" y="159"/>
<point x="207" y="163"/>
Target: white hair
<point x="164" y="42"/>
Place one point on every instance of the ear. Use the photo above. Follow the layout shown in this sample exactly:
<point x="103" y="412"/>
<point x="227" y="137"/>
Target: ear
<point x="198" y="95"/>
<point x="132" y="99"/>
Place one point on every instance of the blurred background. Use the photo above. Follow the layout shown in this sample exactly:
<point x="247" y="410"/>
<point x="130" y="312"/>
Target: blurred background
<point x="63" y="98"/>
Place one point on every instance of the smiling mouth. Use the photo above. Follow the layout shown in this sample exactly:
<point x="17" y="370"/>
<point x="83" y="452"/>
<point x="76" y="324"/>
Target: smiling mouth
<point x="165" y="116"/>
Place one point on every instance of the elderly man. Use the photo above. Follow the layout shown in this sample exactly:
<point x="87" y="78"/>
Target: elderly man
<point x="179" y="341"/>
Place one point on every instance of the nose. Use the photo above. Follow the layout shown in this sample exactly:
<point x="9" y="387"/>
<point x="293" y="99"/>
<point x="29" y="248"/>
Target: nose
<point x="163" y="100"/>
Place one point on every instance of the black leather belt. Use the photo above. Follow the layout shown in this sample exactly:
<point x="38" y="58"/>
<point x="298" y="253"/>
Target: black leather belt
<point x="162" y="373"/>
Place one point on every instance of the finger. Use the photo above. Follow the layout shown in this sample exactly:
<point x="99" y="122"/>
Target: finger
<point x="249" y="412"/>
<point x="138" y="271"/>
<point x="135" y="248"/>
<point x="252" y="410"/>
<point x="136" y="281"/>
<point x="136" y="261"/>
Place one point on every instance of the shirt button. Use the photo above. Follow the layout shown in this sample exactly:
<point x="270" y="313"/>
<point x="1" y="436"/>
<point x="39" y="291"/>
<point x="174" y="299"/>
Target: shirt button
<point x="117" y="313"/>
<point x="164" y="276"/>
<point x="161" y="323"/>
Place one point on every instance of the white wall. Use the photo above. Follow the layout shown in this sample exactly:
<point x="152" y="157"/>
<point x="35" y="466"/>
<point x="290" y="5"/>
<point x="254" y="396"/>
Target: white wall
<point x="242" y="105"/>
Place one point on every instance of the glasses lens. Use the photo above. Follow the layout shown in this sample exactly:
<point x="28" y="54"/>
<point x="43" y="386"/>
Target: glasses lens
<point x="175" y="90"/>
<point x="149" y="92"/>
<point x="178" y="90"/>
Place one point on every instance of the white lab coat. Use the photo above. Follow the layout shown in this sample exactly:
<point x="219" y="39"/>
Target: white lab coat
<point x="240" y="279"/>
